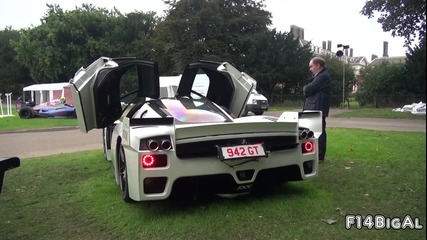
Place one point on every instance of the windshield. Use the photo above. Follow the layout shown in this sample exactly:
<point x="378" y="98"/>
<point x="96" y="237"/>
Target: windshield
<point x="186" y="110"/>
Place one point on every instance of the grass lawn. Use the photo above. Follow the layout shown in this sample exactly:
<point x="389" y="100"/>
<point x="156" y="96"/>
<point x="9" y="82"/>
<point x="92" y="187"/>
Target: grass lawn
<point x="16" y="123"/>
<point x="73" y="196"/>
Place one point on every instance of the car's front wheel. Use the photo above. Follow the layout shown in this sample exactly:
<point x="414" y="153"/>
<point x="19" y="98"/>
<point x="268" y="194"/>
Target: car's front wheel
<point x="123" y="176"/>
<point x="258" y="112"/>
<point x="26" y="113"/>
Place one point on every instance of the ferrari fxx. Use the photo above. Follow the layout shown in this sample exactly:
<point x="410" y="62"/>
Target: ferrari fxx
<point x="181" y="145"/>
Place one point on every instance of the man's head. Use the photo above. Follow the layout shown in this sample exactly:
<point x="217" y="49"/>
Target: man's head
<point x="316" y="65"/>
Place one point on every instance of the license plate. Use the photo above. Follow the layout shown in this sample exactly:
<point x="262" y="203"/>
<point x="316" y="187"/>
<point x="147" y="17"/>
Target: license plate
<point x="242" y="151"/>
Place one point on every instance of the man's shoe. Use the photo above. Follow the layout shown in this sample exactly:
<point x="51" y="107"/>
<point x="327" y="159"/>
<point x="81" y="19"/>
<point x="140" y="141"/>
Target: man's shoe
<point x="321" y="160"/>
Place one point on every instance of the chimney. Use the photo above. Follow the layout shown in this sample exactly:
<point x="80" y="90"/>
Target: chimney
<point x="351" y="52"/>
<point x="301" y="33"/>
<point x="385" y="49"/>
<point x="324" y="45"/>
<point x="329" y="46"/>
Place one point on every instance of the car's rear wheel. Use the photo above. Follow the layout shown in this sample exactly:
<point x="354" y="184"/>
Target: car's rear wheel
<point x="26" y="112"/>
<point x="123" y="176"/>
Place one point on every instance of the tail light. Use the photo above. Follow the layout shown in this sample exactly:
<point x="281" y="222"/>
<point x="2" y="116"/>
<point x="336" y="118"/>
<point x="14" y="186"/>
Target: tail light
<point x="308" y="147"/>
<point x="154" y="160"/>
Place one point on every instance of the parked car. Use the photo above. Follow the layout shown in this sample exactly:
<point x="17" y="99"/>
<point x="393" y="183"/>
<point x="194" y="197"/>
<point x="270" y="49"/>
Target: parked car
<point x="55" y="108"/>
<point x="189" y="143"/>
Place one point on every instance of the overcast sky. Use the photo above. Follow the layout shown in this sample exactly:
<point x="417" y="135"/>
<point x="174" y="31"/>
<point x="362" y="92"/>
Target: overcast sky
<point x="338" y="21"/>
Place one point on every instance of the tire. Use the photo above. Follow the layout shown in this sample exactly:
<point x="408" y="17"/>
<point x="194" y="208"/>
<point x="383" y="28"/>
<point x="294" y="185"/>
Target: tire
<point x="26" y="113"/>
<point x="258" y="112"/>
<point x="123" y="177"/>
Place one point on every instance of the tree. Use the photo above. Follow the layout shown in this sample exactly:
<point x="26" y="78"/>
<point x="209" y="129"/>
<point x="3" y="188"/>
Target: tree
<point x="65" y="41"/>
<point x="403" y="18"/>
<point x="13" y="75"/>
<point x="277" y="59"/>
<point x="381" y="83"/>
<point x="406" y="19"/>
<point x="335" y="66"/>
<point x="220" y="30"/>
<point x="416" y="72"/>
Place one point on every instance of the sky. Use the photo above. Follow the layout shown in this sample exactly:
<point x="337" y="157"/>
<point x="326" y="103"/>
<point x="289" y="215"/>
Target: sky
<point x="338" y="21"/>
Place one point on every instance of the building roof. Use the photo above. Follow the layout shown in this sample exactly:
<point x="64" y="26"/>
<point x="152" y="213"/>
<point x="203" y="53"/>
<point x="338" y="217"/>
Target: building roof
<point x="46" y="86"/>
<point x="393" y="60"/>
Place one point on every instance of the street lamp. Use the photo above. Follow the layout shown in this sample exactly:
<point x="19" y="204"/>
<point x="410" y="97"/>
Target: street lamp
<point x="340" y="53"/>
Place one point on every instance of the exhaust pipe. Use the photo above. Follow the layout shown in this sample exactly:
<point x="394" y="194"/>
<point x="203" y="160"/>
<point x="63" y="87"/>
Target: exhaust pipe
<point x="152" y="145"/>
<point x="303" y="134"/>
<point x="166" y="145"/>
<point x="306" y="134"/>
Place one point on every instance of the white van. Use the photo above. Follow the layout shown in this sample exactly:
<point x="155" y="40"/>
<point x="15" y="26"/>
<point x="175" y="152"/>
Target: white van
<point x="257" y="103"/>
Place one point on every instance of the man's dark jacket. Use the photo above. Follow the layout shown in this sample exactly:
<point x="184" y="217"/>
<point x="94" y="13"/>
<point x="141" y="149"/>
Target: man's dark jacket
<point x="318" y="93"/>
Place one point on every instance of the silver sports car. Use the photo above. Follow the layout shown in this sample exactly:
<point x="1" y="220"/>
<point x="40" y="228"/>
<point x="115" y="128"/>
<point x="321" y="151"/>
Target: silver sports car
<point x="190" y="142"/>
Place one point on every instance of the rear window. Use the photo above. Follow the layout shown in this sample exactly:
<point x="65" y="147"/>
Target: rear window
<point x="186" y="110"/>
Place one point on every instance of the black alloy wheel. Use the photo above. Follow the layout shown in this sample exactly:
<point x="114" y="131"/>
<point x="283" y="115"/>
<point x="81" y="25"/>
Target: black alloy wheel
<point x="123" y="177"/>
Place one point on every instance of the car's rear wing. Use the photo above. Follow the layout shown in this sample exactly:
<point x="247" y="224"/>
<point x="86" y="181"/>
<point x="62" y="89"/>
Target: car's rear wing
<point x="307" y="119"/>
<point x="191" y="131"/>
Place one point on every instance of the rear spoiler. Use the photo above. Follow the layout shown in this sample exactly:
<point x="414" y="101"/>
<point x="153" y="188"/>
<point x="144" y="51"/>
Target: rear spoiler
<point x="306" y="119"/>
<point x="188" y="131"/>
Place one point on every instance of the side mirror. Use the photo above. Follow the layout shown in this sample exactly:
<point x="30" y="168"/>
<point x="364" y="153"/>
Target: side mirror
<point x="7" y="163"/>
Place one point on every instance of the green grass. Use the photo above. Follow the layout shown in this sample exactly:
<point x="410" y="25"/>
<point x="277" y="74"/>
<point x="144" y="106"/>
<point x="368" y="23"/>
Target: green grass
<point x="13" y="123"/>
<point x="73" y="196"/>
<point x="283" y="108"/>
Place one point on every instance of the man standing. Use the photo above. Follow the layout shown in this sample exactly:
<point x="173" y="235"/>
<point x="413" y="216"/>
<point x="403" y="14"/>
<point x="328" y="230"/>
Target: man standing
<point x="318" y="94"/>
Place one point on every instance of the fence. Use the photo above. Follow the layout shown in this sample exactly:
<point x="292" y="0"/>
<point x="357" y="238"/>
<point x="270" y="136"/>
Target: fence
<point x="298" y="101"/>
<point x="8" y="107"/>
